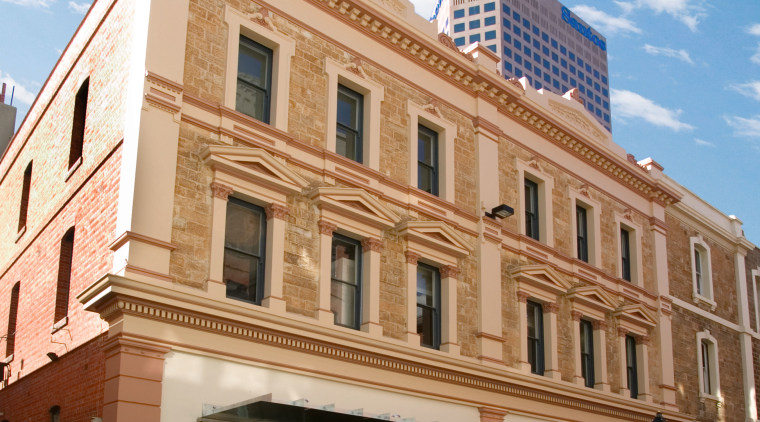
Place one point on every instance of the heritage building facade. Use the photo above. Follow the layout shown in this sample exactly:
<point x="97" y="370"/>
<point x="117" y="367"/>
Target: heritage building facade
<point x="222" y="209"/>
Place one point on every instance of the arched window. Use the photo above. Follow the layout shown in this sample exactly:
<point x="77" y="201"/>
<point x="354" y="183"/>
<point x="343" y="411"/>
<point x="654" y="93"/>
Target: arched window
<point x="25" y="188"/>
<point x="77" y="126"/>
<point x="10" y="340"/>
<point x="55" y="414"/>
<point x="64" y="276"/>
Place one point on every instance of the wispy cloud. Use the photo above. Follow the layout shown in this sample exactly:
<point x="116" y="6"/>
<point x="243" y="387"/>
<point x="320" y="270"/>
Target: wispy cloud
<point x="754" y="29"/>
<point x="80" y="8"/>
<point x="703" y="143"/>
<point x="31" y="3"/>
<point x="604" y="23"/>
<point x="688" y="12"/>
<point x="745" y="127"/>
<point x="21" y="94"/>
<point x="750" y="89"/>
<point x="682" y="55"/>
<point x="627" y="104"/>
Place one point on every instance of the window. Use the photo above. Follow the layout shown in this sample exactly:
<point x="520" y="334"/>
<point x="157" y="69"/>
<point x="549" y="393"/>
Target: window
<point x="77" y="126"/>
<point x="491" y="35"/>
<point x="708" y="366"/>
<point x="535" y="337"/>
<point x="698" y="271"/>
<point x="24" y="208"/>
<point x="64" y="276"/>
<point x="458" y="27"/>
<point x="475" y="24"/>
<point x="10" y="340"/>
<point x="701" y="271"/>
<point x="348" y="141"/>
<point x="254" y="79"/>
<point x="490" y="20"/>
<point x="459" y="13"/>
<point x="428" y="306"/>
<point x="581" y="227"/>
<point x="474" y="10"/>
<point x="587" y="352"/>
<point x="531" y="210"/>
<point x="345" y="275"/>
<point x="244" y="244"/>
<point x="625" y="254"/>
<point x="489" y="7"/>
<point x="55" y="414"/>
<point x="474" y="38"/>
<point x="427" y="160"/>
<point x="631" y="366"/>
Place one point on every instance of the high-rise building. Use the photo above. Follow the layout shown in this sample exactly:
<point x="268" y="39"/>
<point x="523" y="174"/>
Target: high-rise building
<point x="541" y="40"/>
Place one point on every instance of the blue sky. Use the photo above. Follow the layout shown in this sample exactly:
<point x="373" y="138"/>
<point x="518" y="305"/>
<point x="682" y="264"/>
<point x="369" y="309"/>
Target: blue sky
<point x="684" y="78"/>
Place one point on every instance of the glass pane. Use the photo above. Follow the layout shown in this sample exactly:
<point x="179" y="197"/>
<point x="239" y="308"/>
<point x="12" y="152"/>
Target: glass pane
<point x="251" y="101"/>
<point x="253" y="65"/>
<point x="345" y="143"/>
<point x="240" y="274"/>
<point x="347" y="110"/>
<point x="243" y="229"/>
<point x="425" y="286"/>
<point x="425" y="148"/>
<point x="344" y="261"/>
<point x="425" y="325"/>
<point x="532" y="329"/>
<point x="343" y="303"/>
<point x="425" y="178"/>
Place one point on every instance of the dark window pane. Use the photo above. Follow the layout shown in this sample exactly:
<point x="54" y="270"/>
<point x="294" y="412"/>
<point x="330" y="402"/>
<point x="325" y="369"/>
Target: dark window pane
<point x="587" y="353"/>
<point x="631" y="369"/>
<point x="348" y="142"/>
<point x="254" y="79"/>
<point x="531" y="210"/>
<point x="428" y="306"/>
<point x="427" y="160"/>
<point x="535" y="337"/>
<point x="244" y="251"/>
<point x="582" y="233"/>
<point x="625" y="254"/>
<point x="346" y="275"/>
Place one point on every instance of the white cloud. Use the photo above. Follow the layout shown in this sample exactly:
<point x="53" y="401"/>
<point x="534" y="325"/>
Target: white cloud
<point x="754" y="29"/>
<point x="627" y="104"/>
<point x="750" y="89"/>
<point x="682" y="55"/>
<point x="744" y="127"/>
<point x="703" y="143"/>
<point x="31" y="3"/>
<point x="80" y="8"/>
<point x="688" y="12"/>
<point x="604" y="23"/>
<point x="21" y="94"/>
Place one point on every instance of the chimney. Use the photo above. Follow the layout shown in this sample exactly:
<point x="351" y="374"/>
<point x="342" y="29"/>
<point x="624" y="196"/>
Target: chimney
<point x="7" y="121"/>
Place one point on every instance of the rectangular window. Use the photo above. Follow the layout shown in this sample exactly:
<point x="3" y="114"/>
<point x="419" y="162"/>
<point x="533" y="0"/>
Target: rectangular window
<point x="458" y="27"/>
<point x="491" y="35"/>
<point x="474" y="38"/>
<point x="77" y="125"/>
<point x="459" y="13"/>
<point x="254" y="79"/>
<point x="64" y="276"/>
<point x="489" y="7"/>
<point x="345" y="274"/>
<point x="348" y="142"/>
<point x="428" y="306"/>
<point x="427" y="160"/>
<point x="490" y="20"/>
<point x="475" y="24"/>
<point x="244" y="244"/>
<point x="698" y="270"/>
<point x="706" y="384"/>
<point x="581" y="227"/>
<point x="25" y="188"/>
<point x="474" y="10"/>
<point x="531" y="210"/>
<point x="631" y="367"/>
<point x="535" y="337"/>
<point x="10" y="336"/>
<point x="625" y="254"/>
<point x="459" y="41"/>
<point x="587" y="353"/>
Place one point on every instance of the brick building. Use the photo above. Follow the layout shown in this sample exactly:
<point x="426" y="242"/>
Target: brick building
<point x="216" y="209"/>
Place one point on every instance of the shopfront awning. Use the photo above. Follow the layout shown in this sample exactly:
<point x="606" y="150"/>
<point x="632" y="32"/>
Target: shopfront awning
<point x="259" y="410"/>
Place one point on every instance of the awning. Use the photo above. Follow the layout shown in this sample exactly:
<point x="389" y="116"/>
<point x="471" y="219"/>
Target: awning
<point x="268" y="411"/>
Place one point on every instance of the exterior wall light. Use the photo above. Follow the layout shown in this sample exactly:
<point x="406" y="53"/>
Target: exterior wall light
<point x="501" y="211"/>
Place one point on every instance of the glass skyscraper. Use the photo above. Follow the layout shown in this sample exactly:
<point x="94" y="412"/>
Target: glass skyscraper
<point x="538" y="39"/>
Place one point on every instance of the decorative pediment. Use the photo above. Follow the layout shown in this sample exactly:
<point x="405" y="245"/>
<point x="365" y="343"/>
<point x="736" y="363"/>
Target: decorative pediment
<point x="592" y="296"/>
<point x="579" y="120"/>
<point x="434" y="235"/>
<point x="540" y="277"/>
<point x="253" y="164"/>
<point x="355" y="204"/>
<point x="637" y="315"/>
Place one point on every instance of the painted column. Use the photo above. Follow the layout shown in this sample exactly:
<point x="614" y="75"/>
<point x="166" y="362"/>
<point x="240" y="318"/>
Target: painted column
<point x="522" y="300"/>
<point x="326" y="230"/>
<point x="449" y="309"/>
<point x="551" y="356"/>
<point x="490" y="334"/>
<point x="642" y="367"/>
<point x="371" y="249"/>
<point x="221" y="193"/>
<point x="578" y="376"/>
<point x="133" y="373"/>
<point x="624" y="391"/>
<point x="411" y="299"/>
<point x="276" y="215"/>
<point x="488" y="414"/>
<point x="600" y="356"/>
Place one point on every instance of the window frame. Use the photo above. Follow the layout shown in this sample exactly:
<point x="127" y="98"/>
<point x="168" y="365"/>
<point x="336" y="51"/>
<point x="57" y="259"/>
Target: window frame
<point x="422" y="130"/>
<point x="267" y="88"/>
<point x="435" y="308"/>
<point x="283" y="50"/>
<point x="532" y="210"/>
<point x="262" y="256"/>
<point x="65" y="269"/>
<point x="358" y="130"/>
<point x="429" y="117"/>
<point x="357" y="320"/>
<point x="532" y="171"/>
<point x="538" y="366"/>
<point x="701" y="272"/>
<point x="581" y="233"/>
<point x="26" y="191"/>
<point x="631" y="364"/>
<point x="625" y="254"/>
<point x="78" y="123"/>
<point x="587" y="352"/>
<point x="634" y="245"/>
<point x="709" y="364"/>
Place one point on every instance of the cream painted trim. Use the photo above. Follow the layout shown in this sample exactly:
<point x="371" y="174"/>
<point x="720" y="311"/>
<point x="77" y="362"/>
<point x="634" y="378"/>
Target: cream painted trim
<point x="447" y="132"/>
<point x="591" y="301"/>
<point x="545" y="188"/>
<point x="283" y="50"/>
<point x="755" y="274"/>
<point x="636" y="231"/>
<point x="712" y="317"/>
<point x="714" y="363"/>
<point x="354" y="211"/>
<point x="635" y="318"/>
<point x="435" y="242"/>
<point x="698" y="243"/>
<point x="373" y="93"/>
<point x="593" y="221"/>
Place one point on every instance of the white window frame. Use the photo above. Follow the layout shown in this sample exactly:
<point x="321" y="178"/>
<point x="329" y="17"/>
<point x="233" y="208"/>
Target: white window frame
<point x="755" y="274"/>
<point x="373" y="92"/>
<point x="447" y="132"/>
<point x="713" y="361"/>
<point x="593" y="219"/>
<point x="635" y="231"/>
<point x="697" y="243"/>
<point x="546" y="211"/>
<point x="283" y="50"/>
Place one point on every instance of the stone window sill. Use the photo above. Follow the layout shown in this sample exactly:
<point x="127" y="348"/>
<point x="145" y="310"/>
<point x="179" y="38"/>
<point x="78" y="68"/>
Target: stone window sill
<point x="60" y="324"/>
<point x="699" y="299"/>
